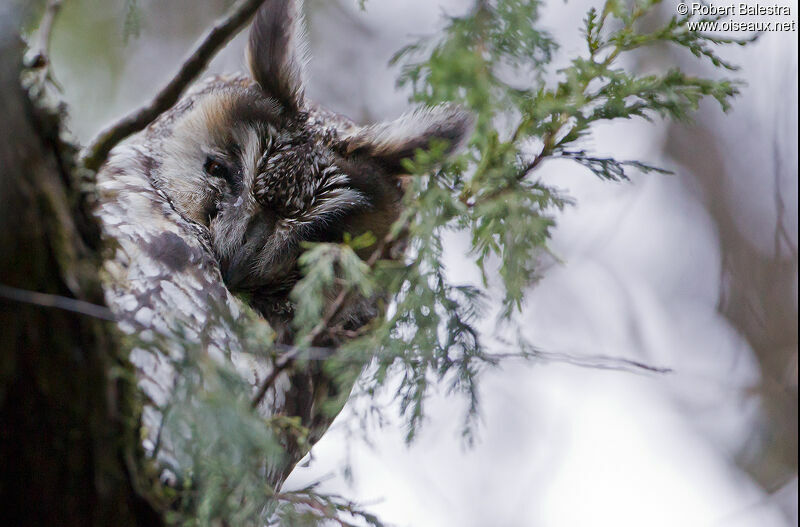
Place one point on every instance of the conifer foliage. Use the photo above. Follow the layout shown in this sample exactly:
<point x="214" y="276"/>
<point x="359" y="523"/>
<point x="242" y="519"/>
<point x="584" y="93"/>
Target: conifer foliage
<point x="496" y="61"/>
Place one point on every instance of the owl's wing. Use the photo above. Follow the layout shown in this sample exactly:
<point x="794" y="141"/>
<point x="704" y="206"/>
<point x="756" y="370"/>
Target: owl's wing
<point x="164" y="286"/>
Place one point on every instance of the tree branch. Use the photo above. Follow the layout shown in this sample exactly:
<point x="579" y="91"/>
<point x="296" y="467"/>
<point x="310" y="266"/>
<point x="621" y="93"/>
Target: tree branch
<point x="281" y="363"/>
<point x="594" y="362"/>
<point x="220" y="34"/>
<point x="41" y="45"/>
<point x="56" y="301"/>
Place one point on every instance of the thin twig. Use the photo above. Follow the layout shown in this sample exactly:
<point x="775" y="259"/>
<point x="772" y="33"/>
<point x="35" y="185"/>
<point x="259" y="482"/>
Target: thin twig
<point x="781" y="232"/>
<point x="281" y="363"/>
<point x="549" y="139"/>
<point x="311" y="352"/>
<point x="41" y="48"/>
<point x="595" y="362"/>
<point x="220" y="34"/>
<point x="599" y="362"/>
<point x="57" y="302"/>
<point x="527" y="169"/>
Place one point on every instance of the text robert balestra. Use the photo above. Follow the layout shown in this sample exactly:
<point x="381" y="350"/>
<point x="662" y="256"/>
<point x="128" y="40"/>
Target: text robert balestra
<point x="741" y="9"/>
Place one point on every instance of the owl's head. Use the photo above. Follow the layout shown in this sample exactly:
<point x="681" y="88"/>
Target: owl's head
<point x="265" y="170"/>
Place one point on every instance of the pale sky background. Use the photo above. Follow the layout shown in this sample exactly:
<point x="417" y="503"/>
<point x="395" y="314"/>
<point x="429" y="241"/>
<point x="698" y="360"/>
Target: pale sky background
<point x="558" y="445"/>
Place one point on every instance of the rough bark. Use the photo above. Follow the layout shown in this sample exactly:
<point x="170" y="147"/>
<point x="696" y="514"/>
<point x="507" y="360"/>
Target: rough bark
<point x="67" y="432"/>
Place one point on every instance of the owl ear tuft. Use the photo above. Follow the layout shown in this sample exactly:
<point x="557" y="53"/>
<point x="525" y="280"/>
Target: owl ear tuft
<point x="276" y="51"/>
<point x="392" y="142"/>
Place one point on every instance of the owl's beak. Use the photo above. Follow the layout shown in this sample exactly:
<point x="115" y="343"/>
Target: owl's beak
<point x="234" y="276"/>
<point x="237" y="272"/>
<point x="260" y="261"/>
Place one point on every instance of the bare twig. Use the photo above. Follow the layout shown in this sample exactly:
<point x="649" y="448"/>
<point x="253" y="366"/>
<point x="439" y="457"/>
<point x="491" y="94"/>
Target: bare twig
<point x="41" y="46"/>
<point x="310" y="353"/>
<point x="598" y="362"/>
<point x="595" y="362"/>
<point x="781" y="232"/>
<point x="56" y="301"/>
<point x="220" y="33"/>
<point x="281" y="363"/>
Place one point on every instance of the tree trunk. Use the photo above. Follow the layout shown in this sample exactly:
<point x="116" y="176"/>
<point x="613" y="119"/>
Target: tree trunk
<point x="67" y="433"/>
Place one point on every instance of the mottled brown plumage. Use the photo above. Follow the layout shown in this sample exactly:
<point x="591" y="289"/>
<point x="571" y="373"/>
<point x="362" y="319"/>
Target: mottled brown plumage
<point x="219" y="193"/>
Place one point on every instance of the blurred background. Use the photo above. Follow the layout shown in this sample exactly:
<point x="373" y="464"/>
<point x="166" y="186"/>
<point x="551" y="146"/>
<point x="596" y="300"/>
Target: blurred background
<point x="696" y="272"/>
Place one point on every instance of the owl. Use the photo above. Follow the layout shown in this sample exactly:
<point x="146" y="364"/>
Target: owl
<point x="219" y="194"/>
<point x="262" y="169"/>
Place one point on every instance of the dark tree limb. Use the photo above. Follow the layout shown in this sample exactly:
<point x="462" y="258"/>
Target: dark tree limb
<point x="215" y="39"/>
<point x="67" y="428"/>
<point x="73" y="305"/>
